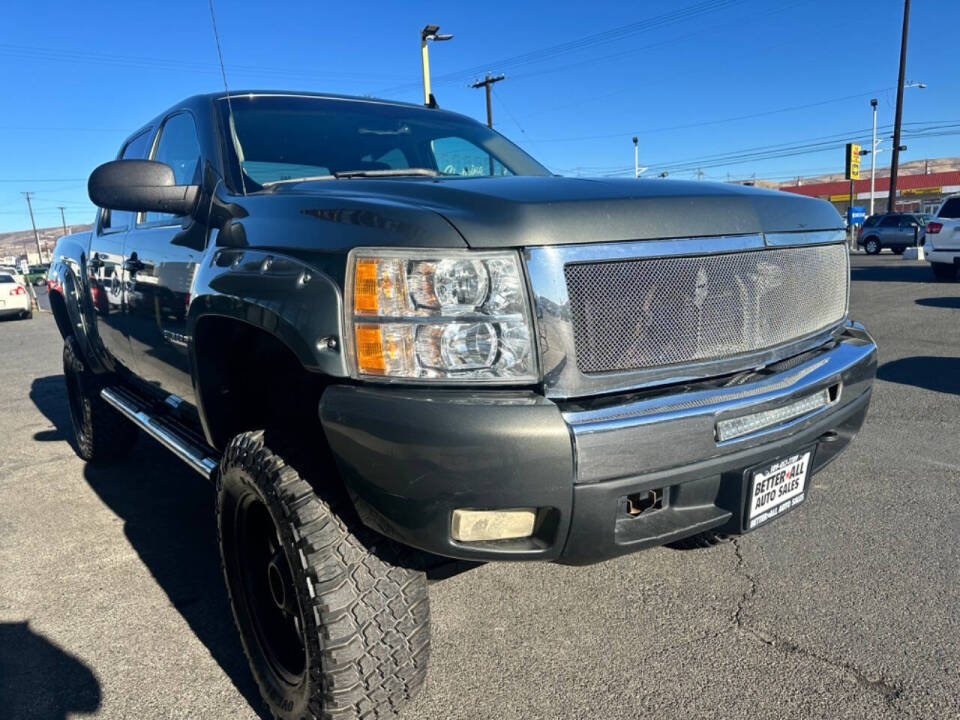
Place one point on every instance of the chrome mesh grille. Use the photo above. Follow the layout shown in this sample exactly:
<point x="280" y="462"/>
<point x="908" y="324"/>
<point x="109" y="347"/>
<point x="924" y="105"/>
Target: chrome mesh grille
<point x="635" y="314"/>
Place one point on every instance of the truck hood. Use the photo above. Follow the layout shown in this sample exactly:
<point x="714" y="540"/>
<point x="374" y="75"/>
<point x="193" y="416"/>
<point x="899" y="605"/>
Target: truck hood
<point x="517" y="211"/>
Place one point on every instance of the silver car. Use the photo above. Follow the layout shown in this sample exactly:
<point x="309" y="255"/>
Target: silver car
<point x="896" y="231"/>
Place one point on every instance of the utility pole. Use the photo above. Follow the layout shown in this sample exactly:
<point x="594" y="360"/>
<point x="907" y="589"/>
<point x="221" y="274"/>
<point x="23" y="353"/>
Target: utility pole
<point x="892" y="198"/>
<point x="873" y="154"/>
<point x="36" y="235"/>
<point x="636" y="158"/>
<point x="429" y="32"/>
<point x="63" y="219"/>
<point x="486" y="83"/>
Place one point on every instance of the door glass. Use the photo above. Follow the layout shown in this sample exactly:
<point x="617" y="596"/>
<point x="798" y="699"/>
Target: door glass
<point x="136" y="149"/>
<point x="179" y="148"/>
<point x="890" y="221"/>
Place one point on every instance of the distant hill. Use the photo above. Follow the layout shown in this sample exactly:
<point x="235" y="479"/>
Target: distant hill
<point x="20" y="240"/>
<point x="914" y="167"/>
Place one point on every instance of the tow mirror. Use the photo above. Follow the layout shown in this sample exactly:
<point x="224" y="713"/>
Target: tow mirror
<point x="140" y="186"/>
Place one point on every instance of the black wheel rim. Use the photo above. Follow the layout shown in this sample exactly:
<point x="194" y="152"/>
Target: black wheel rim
<point x="269" y="592"/>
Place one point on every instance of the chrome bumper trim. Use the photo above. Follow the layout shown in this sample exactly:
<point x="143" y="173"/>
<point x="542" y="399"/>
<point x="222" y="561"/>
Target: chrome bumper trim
<point x="680" y="428"/>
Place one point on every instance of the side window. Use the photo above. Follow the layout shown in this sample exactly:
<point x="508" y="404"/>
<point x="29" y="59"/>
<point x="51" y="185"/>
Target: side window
<point x="456" y="156"/>
<point x="890" y="221"/>
<point x="179" y="148"/>
<point x="136" y="149"/>
<point x="950" y="209"/>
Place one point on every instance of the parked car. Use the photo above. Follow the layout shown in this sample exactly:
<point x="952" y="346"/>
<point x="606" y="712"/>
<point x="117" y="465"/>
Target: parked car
<point x="14" y="272"/>
<point x="37" y="274"/>
<point x="393" y="339"/>
<point x="943" y="239"/>
<point x="896" y="231"/>
<point x="14" y="298"/>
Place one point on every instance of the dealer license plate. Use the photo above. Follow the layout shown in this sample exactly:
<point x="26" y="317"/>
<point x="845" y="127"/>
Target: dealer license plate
<point x="777" y="488"/>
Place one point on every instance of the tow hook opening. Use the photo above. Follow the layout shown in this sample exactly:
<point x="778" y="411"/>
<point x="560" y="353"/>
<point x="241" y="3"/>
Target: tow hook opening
<point x="644" y="502"/>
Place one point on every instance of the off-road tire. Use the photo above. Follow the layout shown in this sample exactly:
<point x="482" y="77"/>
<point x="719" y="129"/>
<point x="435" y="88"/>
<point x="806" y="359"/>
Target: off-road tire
<point x="700" y="541"/>
<point x="100" y="433"/>
<point x="944" y="271"/>
<point x="872" y="246"/>
<point x="363" y="611"/>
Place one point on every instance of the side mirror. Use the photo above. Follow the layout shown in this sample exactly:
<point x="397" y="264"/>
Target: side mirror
<point x="140" y="186"/>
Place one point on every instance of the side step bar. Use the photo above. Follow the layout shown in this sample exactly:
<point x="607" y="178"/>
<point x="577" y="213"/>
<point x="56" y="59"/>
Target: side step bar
<point x="195" y="454"/>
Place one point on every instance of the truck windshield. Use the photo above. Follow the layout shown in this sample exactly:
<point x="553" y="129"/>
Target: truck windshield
<point x="280" y="139"/>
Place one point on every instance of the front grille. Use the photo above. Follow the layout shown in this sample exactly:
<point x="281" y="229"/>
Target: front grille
<point x="647" y="313"/>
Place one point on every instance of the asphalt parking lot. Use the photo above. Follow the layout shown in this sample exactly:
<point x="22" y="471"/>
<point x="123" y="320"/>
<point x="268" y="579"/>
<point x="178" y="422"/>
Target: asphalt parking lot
<point x="112" y="603"/>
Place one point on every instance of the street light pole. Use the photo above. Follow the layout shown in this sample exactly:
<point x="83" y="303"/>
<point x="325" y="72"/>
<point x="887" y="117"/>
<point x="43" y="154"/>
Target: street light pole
<point x="429" y="32"/>
<point x="636" y="158"/>
<point x="894" y="162"/>
<point x="873" y="154"/>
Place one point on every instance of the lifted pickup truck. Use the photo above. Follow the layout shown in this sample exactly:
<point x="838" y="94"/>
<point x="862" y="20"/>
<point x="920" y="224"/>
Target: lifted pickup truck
<point x="389" y="336"/>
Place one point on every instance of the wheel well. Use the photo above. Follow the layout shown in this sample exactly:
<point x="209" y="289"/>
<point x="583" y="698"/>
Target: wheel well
<point x="58" y="307"/>
<point x="248" y="379"/>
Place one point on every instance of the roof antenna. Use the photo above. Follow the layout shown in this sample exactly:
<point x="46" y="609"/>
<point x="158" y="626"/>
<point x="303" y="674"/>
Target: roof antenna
<point x="223" y="72"/>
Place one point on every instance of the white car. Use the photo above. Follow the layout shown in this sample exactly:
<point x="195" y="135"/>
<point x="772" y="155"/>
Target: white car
<point x="14" y="298"/>
<point x="942" y="246"/>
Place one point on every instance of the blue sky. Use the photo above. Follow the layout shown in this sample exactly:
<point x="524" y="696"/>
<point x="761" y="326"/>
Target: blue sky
<point x="698" y="81"/>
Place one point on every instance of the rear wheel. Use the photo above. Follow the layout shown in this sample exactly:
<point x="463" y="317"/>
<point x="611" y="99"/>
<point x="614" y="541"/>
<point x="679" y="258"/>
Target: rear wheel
<point x="944" y="271"/>
<point x="872" y="246"/>
<point x="100" y="433"/>
<point x="898" y="250"/>
<point x="334" y="619"/>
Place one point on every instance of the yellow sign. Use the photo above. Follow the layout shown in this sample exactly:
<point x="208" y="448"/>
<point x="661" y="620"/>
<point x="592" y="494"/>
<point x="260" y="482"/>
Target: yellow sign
<point x="923" y="191"/>
<point x="840" y="198"/>
<point x="853" y="162"/>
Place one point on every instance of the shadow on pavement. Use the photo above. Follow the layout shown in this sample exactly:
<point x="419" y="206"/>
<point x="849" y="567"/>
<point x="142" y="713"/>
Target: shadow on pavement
<point x="896" y="271"/>
<point x="940" y="374"/>
<point x="168" y="516"/>
<point x="952" y="303"/>
<point x="38" y="679"/>
<point x="47" y="393"/>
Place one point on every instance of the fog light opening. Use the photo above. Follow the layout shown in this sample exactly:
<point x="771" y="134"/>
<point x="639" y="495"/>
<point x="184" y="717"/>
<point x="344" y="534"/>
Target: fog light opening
<point x="480" y="525"/>
<point x="640" y="503"/>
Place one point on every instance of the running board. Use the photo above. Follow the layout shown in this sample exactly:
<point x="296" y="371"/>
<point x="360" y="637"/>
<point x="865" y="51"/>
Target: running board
<point x="195" y="454"/>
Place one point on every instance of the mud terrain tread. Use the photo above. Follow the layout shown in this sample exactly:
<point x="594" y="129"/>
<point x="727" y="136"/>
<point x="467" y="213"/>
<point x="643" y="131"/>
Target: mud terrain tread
<point x="365" y="608"/>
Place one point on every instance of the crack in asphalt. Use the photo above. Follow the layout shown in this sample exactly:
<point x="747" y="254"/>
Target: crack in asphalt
<point x="889" y="691"/>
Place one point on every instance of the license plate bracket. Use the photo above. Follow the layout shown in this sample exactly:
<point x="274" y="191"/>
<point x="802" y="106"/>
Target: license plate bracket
<point x="774" y="488"/>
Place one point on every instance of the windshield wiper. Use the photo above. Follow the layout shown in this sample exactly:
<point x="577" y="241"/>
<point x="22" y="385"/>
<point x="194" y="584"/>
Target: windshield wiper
<point x="392" y="172"/>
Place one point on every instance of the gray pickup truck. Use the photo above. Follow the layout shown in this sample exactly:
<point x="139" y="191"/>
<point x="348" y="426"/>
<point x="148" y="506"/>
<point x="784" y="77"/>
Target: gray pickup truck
<point x="393" y="339"/>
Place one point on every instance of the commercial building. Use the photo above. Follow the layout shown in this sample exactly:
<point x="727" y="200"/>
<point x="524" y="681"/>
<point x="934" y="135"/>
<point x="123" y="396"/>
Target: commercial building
<point x="915" y="193"/>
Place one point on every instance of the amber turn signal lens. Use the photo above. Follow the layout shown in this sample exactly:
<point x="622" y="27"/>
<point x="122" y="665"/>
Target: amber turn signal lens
<point x="365" y="294"/>
<point x="370" y="360"/>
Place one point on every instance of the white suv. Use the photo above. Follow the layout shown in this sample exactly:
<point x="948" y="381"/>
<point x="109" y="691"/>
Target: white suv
<point x="943" y="239"/>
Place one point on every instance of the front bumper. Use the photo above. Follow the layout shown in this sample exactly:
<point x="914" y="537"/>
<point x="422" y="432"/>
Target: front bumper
<point x="410" y="457"/>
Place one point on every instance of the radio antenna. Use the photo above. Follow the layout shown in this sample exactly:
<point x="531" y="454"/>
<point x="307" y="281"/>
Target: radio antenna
<point x="223" y="72"/>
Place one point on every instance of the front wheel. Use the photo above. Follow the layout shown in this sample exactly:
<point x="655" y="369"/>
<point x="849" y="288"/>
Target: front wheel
<point x="872" y="246"/>
<point x="944" y="271"/>
<point x="334" y="622"/>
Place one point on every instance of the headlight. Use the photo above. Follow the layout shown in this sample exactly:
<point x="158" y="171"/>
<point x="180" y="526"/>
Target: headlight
<point x="447" y="315"/>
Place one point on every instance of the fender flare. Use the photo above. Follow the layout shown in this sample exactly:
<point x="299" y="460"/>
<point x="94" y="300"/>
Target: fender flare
<point x="282" y="295"/>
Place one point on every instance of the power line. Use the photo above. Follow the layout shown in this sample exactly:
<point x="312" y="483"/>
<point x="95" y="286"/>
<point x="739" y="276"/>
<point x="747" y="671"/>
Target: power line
<point x="604" y="37"/>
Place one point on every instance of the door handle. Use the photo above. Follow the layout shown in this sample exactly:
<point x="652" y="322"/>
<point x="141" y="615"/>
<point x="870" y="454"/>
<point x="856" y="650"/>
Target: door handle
<point x="132" y="264"/>
<point x="95" y="262"/>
